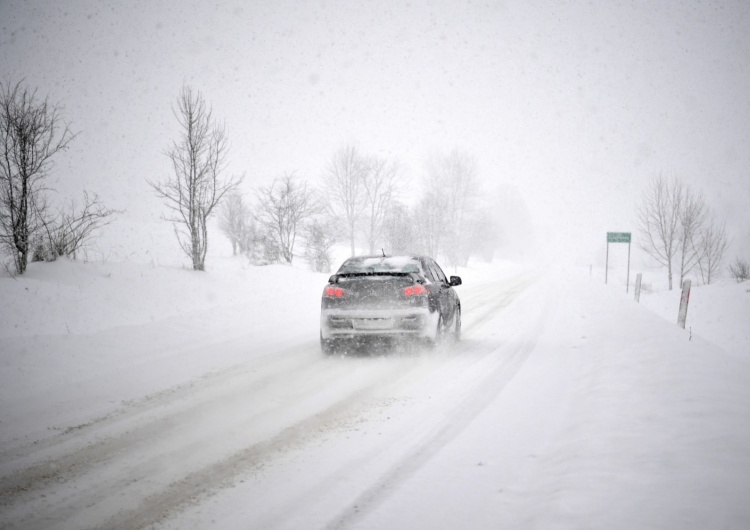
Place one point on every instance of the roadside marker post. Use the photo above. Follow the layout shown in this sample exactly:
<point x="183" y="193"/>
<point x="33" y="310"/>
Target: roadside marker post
<point x="638" y="287"/>
<point x="618" y="237"/>
<point x="684" y="299"/>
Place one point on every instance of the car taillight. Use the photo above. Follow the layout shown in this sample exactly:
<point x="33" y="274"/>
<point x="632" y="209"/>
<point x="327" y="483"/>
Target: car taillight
<point x="334" y="292"/>
<point x="416" y="290"/>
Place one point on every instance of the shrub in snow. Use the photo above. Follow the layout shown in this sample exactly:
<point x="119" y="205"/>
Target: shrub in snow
<point x="740" y="270"/>
<point x="319" y="239"/>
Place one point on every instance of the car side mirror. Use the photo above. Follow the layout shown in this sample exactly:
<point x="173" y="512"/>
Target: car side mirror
<point x="455" y="280"/>
<point x="333" y="279"/>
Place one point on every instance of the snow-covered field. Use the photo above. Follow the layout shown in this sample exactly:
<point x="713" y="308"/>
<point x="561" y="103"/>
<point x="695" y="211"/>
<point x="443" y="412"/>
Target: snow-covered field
<point x="139" y="396"/>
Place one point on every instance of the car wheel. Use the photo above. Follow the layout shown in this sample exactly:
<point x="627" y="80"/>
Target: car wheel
<point x="438" y="334"/>
<point x="328" y="346"/>
<point x="457" y="325"/>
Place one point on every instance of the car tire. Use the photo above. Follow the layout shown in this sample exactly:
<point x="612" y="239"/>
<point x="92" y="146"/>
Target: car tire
<point x="328" y="346"/>
<point x="457" y="324"/>
<point x="437" y="338"/>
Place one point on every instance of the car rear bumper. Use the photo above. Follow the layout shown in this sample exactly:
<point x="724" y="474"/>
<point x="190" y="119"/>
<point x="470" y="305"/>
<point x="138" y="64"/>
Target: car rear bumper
<point x="350" y="323"/>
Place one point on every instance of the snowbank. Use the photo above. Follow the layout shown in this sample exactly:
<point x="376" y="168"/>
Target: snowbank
<point x="718" y="312"/>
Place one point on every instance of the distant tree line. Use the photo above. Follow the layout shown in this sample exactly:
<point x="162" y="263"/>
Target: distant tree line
<point x="359" y="199"/>
<point x="360" y="202"/>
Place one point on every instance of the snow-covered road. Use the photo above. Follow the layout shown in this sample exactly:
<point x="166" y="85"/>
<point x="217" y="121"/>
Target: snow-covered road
<point x="554" y="405"/>
<point x="154" y="456"/>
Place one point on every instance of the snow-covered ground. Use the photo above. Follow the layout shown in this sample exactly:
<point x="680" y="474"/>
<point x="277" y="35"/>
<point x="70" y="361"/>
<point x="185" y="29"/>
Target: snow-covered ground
<point x="141" y="396"/>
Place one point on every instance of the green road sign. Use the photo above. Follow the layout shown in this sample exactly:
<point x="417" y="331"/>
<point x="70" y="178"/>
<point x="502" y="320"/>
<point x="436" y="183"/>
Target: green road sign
<point x="618" y="237"/>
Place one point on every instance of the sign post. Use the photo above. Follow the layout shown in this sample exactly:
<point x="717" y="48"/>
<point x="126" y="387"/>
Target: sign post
<point x="618" y="237"/>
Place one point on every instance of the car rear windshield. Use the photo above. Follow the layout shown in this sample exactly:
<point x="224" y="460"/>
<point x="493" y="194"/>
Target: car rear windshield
<point x="379" y="265"/>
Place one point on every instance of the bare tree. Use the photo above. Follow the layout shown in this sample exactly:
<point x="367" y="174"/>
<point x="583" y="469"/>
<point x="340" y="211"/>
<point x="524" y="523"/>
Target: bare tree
<point x="319" y="239"/>
<point x="72" y="230"/>
<point x="692" y="213"/>
<point x="455" y="178"/>
<point x="282" y="208"/>
<point x="199" y="182"/>
<point x="343" y="187"/>
<point x="429" y="222"/>
<point x="234" y="218"/>
<point x="380" y="185"/>
<point x="31" y="134"/>
<point x="659" y="217"/>
<point x="238" y="224"/>
<point x="710" y="245"/>
<point x="674" y="222"/>
<point x="740" y="270"/>
<point x="398" y="230"/>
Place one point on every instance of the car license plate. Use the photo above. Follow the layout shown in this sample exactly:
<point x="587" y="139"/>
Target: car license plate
<point x="373" y="323"/>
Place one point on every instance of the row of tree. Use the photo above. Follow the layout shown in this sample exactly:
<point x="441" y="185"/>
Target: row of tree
<point x="268" y="229"/>
<point x="359" y="198"/>
<point x="679" y="231"/>
<point x="364" y="195"/>
<point x="359" y="202"/>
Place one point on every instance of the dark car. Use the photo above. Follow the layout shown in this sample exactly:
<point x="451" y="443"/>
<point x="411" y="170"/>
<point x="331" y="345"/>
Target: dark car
<point x="389" y="296"/>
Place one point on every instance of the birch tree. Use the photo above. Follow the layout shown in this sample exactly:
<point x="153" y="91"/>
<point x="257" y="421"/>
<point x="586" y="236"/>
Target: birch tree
<point x="234" y="218"/>
<point x="454" y="178"/>
<point x="199" y="181"/>
<point x="381" y="186"/>
<point x="659" y="219"/>
<point x="31" y="134"/>
<point x="692" y="214"/>
<point x="282" y="209"/>
<point x="344" y="189"/>
<point x="429" y="222"/>
<point x="398" y="230"/>
<point x="677" y="230"/>
<point x="711" y="245"/>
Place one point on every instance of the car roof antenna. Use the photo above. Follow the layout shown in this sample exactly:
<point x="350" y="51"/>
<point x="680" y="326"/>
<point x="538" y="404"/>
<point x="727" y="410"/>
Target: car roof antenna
<point x="383" y="251"/>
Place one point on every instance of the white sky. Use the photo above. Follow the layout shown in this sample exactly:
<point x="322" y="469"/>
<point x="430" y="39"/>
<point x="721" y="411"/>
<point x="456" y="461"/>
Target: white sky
<point x="575" y="105"/>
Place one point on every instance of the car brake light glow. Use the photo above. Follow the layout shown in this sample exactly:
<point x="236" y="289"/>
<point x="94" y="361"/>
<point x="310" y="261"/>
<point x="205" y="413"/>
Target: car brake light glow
<point x="334" y="292"/>
<point x="416" y="290"/>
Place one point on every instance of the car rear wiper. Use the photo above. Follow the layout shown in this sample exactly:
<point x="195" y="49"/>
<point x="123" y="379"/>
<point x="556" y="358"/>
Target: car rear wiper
<point x="413" y="275"/>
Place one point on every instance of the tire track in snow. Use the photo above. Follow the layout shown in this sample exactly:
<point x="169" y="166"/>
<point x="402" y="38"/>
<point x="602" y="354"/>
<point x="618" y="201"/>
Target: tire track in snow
<point x="248" y="460"/>
<point x="33" y="496"/>
<point x="508" y="360"/>
<point x="132" y="408"/>
<point x="491" y="302"/>
<point x="222" y="474"/>
<point x="471" y="357"/>
<point x="77" y="461"/>
<point x="82" y="446"/>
